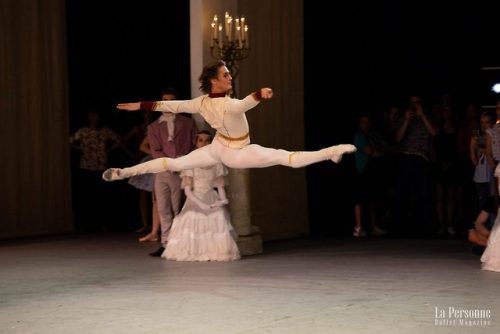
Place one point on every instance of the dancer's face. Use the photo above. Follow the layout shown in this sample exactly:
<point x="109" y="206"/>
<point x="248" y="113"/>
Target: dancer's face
<point x="222" y="83"/>
<point x="202" y="139"/>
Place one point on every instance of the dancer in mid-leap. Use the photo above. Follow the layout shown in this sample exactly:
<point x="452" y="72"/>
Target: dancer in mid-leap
<point x="231" y="145"/>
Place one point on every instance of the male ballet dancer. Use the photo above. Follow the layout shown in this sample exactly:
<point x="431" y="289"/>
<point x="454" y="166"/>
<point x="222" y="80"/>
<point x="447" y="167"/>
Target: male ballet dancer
<point x="231" y="145"/>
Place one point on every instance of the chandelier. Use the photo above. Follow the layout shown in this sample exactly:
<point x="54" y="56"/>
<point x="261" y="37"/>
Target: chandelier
<point x="229" y="41"/>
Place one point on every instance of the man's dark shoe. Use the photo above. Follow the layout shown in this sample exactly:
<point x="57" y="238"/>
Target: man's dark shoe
<point x="158" y="252"/>
<point x="478" y="250"/>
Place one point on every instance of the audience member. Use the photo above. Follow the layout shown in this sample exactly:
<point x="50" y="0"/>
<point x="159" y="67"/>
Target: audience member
<point x="145" y="184"/>
<point x="94" y="142"/>
<point x="412" y="202"/>
<point x="446" y="170"/>
<point x="172" y="135"/>
<point x="372" y="180"/>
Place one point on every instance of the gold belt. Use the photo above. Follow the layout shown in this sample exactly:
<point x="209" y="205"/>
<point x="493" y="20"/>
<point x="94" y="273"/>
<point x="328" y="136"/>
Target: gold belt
<point x="245" y="136"/>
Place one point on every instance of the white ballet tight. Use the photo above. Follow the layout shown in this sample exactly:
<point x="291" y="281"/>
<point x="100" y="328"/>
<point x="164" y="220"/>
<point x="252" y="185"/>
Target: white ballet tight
<point x="251" y="156"/>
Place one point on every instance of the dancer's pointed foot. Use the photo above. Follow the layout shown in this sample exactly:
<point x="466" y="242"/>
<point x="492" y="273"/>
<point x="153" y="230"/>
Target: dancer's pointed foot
<point x="338" y="150"/>
<point x="111" y="174"/>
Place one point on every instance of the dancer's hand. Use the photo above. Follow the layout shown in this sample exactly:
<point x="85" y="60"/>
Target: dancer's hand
<point x="266" y="93"/>
<point x="220" y="203"/>
<point x="129" y="106"/>
<point x="204" y="206"/>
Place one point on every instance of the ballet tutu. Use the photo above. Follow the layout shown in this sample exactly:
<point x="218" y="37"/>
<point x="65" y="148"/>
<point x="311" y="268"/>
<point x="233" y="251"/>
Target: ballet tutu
<point x="144" y="181"/>
<point x="197" y="236"/>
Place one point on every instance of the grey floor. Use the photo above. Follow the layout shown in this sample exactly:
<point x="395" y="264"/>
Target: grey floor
<point x="108" y="284"/>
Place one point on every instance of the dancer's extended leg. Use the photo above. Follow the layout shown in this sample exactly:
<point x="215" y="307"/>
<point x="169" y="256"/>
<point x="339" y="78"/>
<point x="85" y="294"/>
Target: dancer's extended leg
<point x="202" y="157"/>
<point x="256" y="156"/>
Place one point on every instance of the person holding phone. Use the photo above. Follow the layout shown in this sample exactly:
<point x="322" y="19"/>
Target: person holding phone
<point x="412" y="207"/>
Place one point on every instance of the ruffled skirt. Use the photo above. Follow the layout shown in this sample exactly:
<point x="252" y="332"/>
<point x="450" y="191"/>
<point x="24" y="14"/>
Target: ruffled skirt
<point x="143" y="181"/>
<point x="201" y="236"/>
<point x="490" y="260"/>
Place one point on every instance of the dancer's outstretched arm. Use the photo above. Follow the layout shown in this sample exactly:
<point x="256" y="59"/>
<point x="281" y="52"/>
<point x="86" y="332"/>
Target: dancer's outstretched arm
<point x="174" y="106"/>
<point x="193" y="106"/>
<point x="249" y="102"/>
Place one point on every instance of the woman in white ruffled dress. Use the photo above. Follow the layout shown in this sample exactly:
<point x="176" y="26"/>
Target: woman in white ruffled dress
<point x="490" y="260"/>
<point x="202" y="231"/>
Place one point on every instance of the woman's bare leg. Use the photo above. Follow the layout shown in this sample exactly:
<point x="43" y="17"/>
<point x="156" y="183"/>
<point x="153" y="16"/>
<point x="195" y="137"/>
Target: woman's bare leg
<point x="144" y="207"/>
<point x="155" y="230"/>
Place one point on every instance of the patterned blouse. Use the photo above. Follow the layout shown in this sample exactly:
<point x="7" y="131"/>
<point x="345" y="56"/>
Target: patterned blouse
<point x="494" y="134"/>
<point x="94" y="145"/>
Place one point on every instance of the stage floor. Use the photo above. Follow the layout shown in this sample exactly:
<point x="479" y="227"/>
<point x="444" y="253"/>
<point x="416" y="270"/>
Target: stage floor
<point x="109" y="284"/>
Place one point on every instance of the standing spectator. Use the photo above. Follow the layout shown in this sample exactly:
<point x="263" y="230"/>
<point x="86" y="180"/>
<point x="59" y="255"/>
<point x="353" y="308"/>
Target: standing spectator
<point x="372" y="183"/>
<point x="446" y="171"/>
<point x="143" y="183"/>
<point x="493" y="140"/>
<point x="390" y="122"/>
<point x="412" y="194"/>
<point x="483" y="173"/>
<point x="468" y="126"/>
<point x="94" y="142"/>
<point x="171" y="136"/>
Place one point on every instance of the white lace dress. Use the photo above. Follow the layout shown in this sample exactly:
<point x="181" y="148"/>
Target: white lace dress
<point x="199" y="235"/>
<point x="490" y="260"/>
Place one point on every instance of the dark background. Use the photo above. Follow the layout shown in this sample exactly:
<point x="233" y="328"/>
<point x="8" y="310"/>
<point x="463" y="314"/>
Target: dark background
<point x="379" y="53"/>
<point x="122" y="51"/>
<point x="125" y="51"/>
<point x="359" y="58"/>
